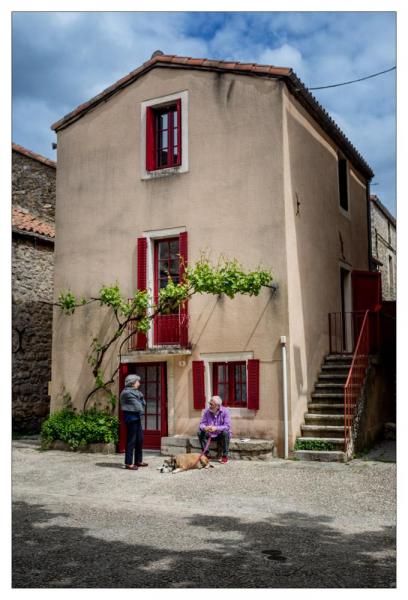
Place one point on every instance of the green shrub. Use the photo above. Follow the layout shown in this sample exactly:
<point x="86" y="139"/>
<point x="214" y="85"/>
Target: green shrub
<point x="313" y="445"/>
<point x="79" y="429"/>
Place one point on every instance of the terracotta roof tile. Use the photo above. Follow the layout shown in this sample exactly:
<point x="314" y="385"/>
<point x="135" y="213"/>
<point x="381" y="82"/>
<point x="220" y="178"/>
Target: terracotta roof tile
<point x="25" y="221"/>
<point x="30" y="154"/>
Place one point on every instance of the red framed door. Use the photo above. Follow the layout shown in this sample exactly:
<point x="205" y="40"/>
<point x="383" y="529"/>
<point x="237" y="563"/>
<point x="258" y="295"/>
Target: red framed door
<point x="366" y="288"/>
<point x="153" y="387"/>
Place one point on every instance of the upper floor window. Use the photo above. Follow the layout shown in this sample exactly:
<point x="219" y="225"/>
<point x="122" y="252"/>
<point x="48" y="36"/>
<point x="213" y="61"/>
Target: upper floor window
<point x="163" y="136"/>
<point x="343" y="183"/>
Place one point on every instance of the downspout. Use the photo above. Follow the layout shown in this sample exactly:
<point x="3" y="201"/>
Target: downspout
<point x="285" y="395"/>
<point x="370" y="265"/>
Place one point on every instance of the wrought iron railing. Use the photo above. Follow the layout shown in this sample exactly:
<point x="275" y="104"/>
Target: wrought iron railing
<point x="355" y="379"/>
<point x="168" y="330"/>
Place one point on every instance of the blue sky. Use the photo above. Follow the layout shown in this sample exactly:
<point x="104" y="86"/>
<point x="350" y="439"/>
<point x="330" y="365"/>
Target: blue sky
<point x="61" y="59"/>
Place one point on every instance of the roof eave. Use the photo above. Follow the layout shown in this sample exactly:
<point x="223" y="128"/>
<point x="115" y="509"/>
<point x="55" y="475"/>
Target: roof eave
<point x="299" y="90"/>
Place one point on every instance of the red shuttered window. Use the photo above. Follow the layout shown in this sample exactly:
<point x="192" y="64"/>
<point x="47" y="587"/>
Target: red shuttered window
<point x="141" y="341"/>
<point x="229" y="382"/>
<point x="253" y="384"/>
<point x="163" y="136"/>
<point x="198" y="384"/>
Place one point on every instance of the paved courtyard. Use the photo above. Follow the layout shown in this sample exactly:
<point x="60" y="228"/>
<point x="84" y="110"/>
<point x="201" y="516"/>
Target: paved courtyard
<point x="81" y="520"/>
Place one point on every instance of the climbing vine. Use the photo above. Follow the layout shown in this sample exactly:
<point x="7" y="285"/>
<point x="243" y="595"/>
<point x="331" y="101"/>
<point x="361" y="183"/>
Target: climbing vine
<point x="226" y="277"/>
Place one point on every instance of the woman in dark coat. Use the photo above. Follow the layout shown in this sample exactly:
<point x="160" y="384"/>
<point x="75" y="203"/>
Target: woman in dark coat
<point x="133" y="405"/>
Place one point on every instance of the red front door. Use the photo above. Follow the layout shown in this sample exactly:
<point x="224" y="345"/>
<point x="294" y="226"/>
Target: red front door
<point x="366" y="287"/>
<point x="153" y="387"/>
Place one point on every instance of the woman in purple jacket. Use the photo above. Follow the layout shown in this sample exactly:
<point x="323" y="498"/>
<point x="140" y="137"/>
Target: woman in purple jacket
<point x="216" y="423"/>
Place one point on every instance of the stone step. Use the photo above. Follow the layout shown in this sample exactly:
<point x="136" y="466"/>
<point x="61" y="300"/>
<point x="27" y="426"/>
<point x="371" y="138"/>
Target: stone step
<point x="325" y="407"/>
<point x="338" y="443"/>
<point x="327" y="396"/>
<point x="320" y="455"/>
<point x="323" y="431"/>
<point x="335" y="368"/>
<point x="324" y="419"/>
<point x="333" y="377"/>
<point x="250" y="449"/>
<point x="340" y="357"/>
<point x="328" y="384"/>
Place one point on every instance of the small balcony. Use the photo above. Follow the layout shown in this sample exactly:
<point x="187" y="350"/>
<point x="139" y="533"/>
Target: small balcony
<point x="168" y="331"/>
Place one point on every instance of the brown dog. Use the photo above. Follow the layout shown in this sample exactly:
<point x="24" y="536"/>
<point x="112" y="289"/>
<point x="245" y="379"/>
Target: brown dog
<point x="185" y="462"/>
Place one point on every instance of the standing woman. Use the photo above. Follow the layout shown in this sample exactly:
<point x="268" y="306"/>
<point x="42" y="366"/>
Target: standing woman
<point x="133" y="405"/>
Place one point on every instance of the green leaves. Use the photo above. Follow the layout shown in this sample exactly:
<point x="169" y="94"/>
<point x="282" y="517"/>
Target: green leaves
<point x="79" y="429"/>
<point x="172" y="296"/>
<point x="313" y="445"/>
<point x="111" y="296"/>
<point x="67" y="302"/>
<point x="228" y="278"/>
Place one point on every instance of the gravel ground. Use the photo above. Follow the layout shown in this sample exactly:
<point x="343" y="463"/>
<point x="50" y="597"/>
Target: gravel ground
<point x="82" y="521"/>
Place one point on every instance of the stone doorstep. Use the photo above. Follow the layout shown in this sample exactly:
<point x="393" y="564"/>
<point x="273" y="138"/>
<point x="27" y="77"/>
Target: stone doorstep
<point x="320" y="455"/>
<point x="253" y="449"/>
<point x="97" y="448"/>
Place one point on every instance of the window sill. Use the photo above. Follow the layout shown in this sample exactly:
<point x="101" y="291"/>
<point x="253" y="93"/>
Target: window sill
<point x="241" y="412"/>
<point x="164" y="172"/>
<point x="345" y="213"/>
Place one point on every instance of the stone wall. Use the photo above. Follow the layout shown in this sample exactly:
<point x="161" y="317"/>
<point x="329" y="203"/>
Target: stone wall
<point x="383" y="242"/>
<point x="32" y="285"/>
<point x="33" y="186"/>
<point x="32" y="266"/>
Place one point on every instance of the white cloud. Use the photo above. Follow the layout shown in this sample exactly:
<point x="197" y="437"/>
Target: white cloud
<point x="284" y="56"/>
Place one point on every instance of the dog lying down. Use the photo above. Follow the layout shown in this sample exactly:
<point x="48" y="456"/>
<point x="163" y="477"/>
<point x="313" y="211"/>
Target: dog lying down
<point x="184" y="462"/>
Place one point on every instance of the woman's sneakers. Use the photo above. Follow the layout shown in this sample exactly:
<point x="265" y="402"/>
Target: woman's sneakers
<point x="224" y="459"/>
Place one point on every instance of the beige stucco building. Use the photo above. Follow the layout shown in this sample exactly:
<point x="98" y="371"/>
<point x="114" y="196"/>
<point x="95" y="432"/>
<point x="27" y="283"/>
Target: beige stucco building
<point x="238" y="160"/>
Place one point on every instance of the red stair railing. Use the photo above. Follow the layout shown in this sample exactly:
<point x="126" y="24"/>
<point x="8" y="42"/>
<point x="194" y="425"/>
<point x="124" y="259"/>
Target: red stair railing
<point x="355" y="379"/>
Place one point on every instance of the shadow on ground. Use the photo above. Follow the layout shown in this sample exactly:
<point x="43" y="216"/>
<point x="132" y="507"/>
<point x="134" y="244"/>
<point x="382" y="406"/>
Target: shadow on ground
<point x="291" y="550"/>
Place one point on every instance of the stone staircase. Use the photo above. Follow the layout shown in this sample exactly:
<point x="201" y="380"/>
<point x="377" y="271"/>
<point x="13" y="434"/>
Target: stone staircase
<point x="324" y="420"/>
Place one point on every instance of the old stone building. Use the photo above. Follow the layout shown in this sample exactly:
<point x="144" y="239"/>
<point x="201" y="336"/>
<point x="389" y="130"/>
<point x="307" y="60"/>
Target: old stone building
<point x="33" y="209"/>
<point x="384" y="246"/>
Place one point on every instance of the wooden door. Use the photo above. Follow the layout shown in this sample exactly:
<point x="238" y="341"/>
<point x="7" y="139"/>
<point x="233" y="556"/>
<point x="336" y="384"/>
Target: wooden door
<point x="366" y="287"/>
<point x="153" y="388"/>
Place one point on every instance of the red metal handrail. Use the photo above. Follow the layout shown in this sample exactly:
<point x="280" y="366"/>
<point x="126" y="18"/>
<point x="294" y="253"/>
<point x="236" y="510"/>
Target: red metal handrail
<point x="355" y="379"/>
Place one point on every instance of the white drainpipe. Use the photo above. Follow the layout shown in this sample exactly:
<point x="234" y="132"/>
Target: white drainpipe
<point x="285" y="394"/>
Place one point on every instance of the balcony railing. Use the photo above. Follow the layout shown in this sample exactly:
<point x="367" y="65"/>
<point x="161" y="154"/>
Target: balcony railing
<point x="168" y="330"/>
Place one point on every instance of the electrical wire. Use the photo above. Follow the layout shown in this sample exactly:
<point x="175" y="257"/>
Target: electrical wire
<point x="324" y="87"/>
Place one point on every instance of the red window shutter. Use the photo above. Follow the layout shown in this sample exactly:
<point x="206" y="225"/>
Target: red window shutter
<point x="184" y="307"/>
<point x="141" y="282"/>
<point x="150" y="140"/>
<point x="198" y="384"/>
<point x="253" y="384"/>
<point x="180" y="149"/>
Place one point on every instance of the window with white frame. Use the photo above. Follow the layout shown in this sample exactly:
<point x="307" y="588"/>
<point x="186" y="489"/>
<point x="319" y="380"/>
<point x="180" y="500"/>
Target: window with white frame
<point x="164" y="139"/>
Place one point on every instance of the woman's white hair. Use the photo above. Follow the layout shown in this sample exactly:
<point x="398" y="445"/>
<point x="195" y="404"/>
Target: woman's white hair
<point x="216" y="399"/>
